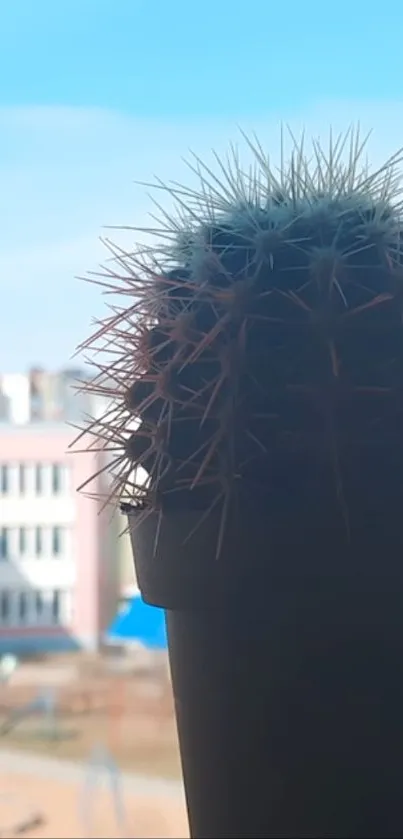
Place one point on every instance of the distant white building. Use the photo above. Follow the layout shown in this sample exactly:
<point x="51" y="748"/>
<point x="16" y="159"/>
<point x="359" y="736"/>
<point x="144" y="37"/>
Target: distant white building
<point x="15" y="398"/>
<point x="60" y="566"/>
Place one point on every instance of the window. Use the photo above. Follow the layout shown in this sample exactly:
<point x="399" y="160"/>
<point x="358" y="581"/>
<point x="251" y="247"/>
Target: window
<point x="4" y="478"/>
<point x="38" y="541"/>
<point x="57" y="541"/>
<point x="57" y="471"/>
<point x="4" y="606"/>
<point x="22" y="540"/>
<point x="39" y="605"/>
<point x="4" y="542"/>
<point x="38" y="479"/>
<point x="22" y="478"/>
<point x="56" y="607"/>
<point x="23" y="606"/>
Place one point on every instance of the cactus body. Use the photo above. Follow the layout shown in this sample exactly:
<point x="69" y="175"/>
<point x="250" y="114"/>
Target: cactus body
<point x="263" y="351"/>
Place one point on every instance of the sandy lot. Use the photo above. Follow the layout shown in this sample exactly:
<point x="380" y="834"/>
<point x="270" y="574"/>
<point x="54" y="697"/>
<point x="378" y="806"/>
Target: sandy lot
<point x="76" y="802"/>
<point x="62" y="770"/>
<point x="132" y="715"/>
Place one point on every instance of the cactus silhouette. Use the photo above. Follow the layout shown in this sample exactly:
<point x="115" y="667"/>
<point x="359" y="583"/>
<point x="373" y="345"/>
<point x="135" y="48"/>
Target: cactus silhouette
<point x="261" y="348"/>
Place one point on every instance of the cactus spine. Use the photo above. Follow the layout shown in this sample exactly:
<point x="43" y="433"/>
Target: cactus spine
<point x="261" y="347"/>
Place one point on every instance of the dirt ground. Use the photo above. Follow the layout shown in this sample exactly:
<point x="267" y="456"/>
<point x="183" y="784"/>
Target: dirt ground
<point x="24" y="797"/>
<point x="131" y="715"/>
<point x="139" y="744"/>
<point x="48" y="784"/>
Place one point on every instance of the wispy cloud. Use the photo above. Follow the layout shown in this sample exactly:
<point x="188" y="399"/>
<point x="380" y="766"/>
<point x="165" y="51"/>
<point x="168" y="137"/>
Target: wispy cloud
<point x="67" y="172"/>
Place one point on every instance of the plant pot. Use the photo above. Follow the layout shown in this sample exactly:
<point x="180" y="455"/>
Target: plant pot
<point x="286" y="655"/>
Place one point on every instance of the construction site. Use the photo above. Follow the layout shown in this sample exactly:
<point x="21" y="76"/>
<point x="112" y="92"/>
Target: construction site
<point x="88" y="747"/>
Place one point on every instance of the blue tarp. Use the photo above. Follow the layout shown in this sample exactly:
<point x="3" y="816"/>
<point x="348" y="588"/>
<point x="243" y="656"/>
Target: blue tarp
<point x="139" y="622"/>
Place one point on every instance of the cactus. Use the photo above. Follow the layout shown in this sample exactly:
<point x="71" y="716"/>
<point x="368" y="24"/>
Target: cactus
<point x="260" y="355"/>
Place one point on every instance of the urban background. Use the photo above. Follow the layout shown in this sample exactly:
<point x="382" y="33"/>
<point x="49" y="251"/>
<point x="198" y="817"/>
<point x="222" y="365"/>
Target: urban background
<point x="64" y="565"/>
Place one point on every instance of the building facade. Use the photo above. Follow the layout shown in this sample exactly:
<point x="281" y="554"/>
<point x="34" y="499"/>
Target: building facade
<point x="59" y="557"/>
<point x="127" y="586"/>
<point x="45" y="396"/>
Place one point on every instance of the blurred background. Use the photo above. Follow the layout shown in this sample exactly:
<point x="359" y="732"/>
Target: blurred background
<point x="84" y="678"/>
<point x="94" y="96"/>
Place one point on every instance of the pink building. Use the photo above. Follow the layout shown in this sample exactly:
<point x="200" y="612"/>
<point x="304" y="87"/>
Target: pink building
<point x="58" y="570"/>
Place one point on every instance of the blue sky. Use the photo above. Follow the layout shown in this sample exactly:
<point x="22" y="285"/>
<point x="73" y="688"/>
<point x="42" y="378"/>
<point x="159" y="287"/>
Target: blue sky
<point x="95" y="95"/>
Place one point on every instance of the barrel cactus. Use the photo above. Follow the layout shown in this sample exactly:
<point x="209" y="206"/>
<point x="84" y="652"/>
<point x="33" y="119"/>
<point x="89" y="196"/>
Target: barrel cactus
<point x="260" y="353"/>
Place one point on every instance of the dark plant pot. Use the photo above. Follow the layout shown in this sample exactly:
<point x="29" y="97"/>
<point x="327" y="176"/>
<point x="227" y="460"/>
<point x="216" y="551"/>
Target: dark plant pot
<point x="287" y="666"/>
